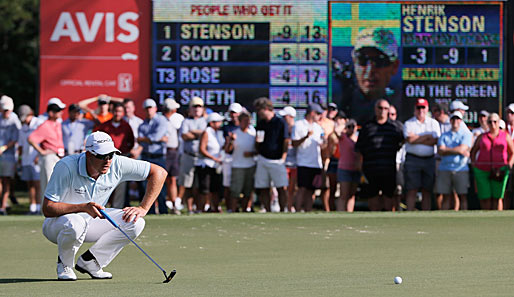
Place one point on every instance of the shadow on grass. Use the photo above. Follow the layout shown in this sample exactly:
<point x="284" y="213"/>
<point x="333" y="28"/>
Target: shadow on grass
<point x="26" y="280"/>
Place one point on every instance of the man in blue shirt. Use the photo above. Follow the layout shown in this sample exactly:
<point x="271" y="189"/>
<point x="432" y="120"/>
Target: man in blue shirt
<point x="453" y="174"/>
<point x="75" y="130"/>
<point x="80" y="185"/>
<point x="152" y="138"/>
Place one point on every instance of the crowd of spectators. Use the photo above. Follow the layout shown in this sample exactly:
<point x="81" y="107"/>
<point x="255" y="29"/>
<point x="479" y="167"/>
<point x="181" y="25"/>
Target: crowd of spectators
<point x="281" y="162"/>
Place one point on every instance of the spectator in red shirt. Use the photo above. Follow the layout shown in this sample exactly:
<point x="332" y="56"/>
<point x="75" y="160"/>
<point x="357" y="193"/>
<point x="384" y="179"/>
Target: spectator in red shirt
<point x="123" y="138"/>
<point x="119" y="130"/>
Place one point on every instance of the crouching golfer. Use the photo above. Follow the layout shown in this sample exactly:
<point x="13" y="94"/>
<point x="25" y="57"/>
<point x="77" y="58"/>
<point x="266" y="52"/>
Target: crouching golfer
<point x="80" y="185"/>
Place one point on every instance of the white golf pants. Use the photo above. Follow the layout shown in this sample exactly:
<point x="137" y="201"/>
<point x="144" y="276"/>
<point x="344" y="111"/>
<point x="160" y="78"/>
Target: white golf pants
<point x="70" y="231"/>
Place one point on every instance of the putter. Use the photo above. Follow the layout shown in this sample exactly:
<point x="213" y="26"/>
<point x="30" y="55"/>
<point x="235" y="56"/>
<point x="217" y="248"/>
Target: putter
<point x="167" y="277"/>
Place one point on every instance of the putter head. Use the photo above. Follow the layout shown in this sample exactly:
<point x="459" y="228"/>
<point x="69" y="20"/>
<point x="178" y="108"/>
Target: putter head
<point x="169" y="277"/>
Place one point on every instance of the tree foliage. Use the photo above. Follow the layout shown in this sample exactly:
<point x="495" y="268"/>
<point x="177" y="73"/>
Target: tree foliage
<point x="19" y="46"/>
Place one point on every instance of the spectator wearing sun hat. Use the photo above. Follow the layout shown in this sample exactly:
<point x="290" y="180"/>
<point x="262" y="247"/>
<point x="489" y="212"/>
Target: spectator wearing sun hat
<point x="421" y="134"/>
<point x="208" y="162"/>
<point x="152" y="139"/>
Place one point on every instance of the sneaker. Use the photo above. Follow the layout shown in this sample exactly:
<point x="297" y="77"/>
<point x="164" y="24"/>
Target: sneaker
<point x="169" y="204"/>
<point x="92" y="268"/>
<point x="178" y="204"/>
<point x="65" y="273"/>
<point x="3" y="212"/>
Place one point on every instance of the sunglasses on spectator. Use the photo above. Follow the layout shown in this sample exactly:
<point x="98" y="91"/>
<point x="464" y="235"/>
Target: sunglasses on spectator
<point x="492" y="122"/>
<point x="105" y="157"/>
<point x="392" y="114"/>
<point x="421" y="107"/>
<point x="197" y="106"/>
<point x="383" y="107"/>
<point x="350" y="126"/>
<point x="379" y="61"/>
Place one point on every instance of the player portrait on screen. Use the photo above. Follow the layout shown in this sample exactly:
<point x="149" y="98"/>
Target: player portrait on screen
<point x="368" y="77"/>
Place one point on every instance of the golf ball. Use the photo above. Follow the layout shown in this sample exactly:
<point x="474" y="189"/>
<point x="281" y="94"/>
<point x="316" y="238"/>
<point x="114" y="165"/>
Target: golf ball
<point x="398" y="280"/>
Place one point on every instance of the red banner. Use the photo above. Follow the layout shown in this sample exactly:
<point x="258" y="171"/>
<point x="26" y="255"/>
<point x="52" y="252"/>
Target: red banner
<point x="94" y="47"/>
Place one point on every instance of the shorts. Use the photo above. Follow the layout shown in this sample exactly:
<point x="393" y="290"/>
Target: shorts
<point x="292" y="173"/>
<point x="30" y="173"/>
<point x="351" y="176"/>
<point x="306" y="176"/>
<point x="419" y="173"/>
<point x="209" y="181"/>
<point x="172" y="163"/>
<point x="242" y="181"/>
<point x="488" y="188"/>
<point x="270" y="171"/>
<point x="7" y="168"/>
<point x="227" y="172"/>
<point x="332" y="166"/>
<point x="186" y="175"/>
<point x="447" y="181"/>
<point x="379" y="182"/>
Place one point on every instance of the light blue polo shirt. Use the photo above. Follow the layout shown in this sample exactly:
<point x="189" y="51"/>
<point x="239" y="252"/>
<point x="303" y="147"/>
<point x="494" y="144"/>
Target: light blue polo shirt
<point x="70" y="182"/>
<point x="453" y="139"/>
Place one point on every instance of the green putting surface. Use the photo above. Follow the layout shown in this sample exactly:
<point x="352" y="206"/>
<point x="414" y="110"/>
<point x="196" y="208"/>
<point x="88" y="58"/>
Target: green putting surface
<point x="318" y="254"/>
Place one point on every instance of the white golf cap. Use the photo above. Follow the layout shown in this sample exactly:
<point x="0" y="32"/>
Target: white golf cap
<point x="458" y="105"/>
<point x="456" y="114"/>
<point x="6" y="103"/>
<point x="510" y="107"/>
<point x="100" y="143"/>
<point x="57" y="102"/>
<point x="149" y="102"/>
<point x="196" y="101"/>
<point x="171" y="104"/>
<point x="235" y="107"/>
<point x="214" y="117"/>
<point x="288" y="110"/>
<point x="502" y="124"/>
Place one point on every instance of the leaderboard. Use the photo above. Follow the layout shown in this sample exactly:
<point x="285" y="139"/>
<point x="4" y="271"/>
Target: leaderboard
<point x="238" y="53"/>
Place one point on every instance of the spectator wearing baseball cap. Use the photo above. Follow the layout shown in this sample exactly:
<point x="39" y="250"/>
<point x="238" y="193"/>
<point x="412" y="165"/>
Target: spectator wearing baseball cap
<point x="234" y="110"/>
<point x="175" y="119"/>
<point x="308" y="139"/>
<point x="289" y="115"/>
<point x="48" y="141"/>
<point x="459" y="106"/>
<point x="152" y="139"/>
<point x="101" y="114"/>
<point x="453" y="172"/>
<point x="29" y="166"/>
<point x="9" y="125"/>
<point x="74" y="130"/>
<point x="209" y="160"/>
<point x="421" y="133"/>
<point x="192" y="129"/>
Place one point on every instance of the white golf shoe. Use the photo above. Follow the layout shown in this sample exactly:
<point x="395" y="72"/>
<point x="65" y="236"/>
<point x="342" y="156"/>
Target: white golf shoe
<point x="65" y="273"/>
<point x="92" y="268"/>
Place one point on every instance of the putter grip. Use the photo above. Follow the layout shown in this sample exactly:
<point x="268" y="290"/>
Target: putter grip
<point x="108" y="218"/>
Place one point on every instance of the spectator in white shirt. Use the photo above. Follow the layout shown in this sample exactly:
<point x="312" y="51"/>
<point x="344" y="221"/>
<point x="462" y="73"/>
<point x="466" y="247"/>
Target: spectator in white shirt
<point x="421" y="133"/>
<point x="308" y="139"/>
<point x="241" y="144"/>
